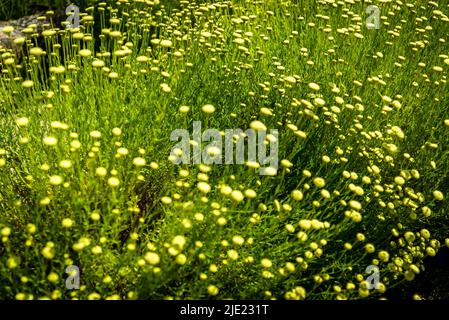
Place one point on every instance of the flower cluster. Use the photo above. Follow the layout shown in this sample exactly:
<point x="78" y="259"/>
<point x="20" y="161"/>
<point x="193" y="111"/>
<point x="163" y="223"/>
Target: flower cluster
<point x="85" y="168"/>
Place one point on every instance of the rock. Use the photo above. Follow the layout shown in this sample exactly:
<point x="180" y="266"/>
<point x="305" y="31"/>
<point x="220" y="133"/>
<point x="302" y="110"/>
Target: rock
<point x="7" y="41"/>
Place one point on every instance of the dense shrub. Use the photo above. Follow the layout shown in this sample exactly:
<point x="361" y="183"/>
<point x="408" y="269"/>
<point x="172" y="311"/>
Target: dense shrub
<point x="86" y="177"/>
